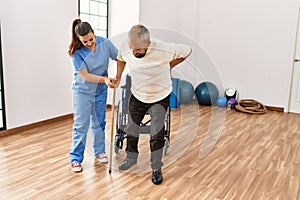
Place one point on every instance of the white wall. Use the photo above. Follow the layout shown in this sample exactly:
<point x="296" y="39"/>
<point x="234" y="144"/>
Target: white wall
<point x="250" y="43"/>
<point x="123" y="15"/>
<point x="37" y="70"/>
<point x="246" y="44"/>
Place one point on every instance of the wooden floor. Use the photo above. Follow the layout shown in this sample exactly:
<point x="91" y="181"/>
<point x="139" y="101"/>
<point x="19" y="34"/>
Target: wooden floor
<point x="255" y="157"/>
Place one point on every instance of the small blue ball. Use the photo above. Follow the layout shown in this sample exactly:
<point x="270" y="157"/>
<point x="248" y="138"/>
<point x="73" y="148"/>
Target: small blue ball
<point x="221" y="101"/>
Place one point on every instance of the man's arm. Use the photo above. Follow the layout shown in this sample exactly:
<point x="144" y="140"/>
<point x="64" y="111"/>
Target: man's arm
<point x="175" y="62"/>
<point x="120" y="69"/>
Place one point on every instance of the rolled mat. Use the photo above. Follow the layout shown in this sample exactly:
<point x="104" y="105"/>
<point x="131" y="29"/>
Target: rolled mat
<point x="251" y="106"/>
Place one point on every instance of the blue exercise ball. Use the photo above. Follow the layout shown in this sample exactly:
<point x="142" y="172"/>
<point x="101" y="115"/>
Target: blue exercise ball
<point x="221" y="101"/>
<point x="186" y="92"/>
<point x="206" y="93"/>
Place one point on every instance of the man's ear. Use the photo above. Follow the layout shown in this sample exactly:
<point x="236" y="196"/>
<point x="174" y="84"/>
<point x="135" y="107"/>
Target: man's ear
<point x="148" y="43"/>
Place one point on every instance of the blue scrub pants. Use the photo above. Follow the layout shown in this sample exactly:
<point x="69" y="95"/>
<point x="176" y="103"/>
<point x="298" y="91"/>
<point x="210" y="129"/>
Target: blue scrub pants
<point x="88" y="108"/>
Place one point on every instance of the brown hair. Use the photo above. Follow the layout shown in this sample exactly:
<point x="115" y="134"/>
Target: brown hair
<point x="81" y="29"/>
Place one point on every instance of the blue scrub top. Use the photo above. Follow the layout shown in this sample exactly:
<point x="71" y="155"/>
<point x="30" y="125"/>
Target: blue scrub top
<point x="96" y="62"/>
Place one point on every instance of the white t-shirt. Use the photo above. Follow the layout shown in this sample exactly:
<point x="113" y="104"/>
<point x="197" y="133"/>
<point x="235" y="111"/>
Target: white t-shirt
<point x="150" y="75"/>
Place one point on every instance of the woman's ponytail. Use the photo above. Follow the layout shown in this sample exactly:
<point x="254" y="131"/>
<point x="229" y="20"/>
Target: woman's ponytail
<point x="75" y="42"/>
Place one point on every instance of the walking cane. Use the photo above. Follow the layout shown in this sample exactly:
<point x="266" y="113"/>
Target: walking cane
<point x="112" y="129"/>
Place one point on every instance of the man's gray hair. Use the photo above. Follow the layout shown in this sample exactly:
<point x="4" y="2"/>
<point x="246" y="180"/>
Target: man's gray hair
<point x="139" y="31"/>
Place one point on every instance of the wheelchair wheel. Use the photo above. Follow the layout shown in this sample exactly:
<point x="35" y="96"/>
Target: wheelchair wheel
<point x="117" y="136"/>
<point x="166" y="146"/>
<point x="117" y="144"/>
<point x="120" y="134"/>
<point x="167" y="132"/>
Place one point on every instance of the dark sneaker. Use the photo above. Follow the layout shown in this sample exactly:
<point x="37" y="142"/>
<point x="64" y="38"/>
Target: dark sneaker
<point x="157" y="176"/>
<point x="126" y="164"/>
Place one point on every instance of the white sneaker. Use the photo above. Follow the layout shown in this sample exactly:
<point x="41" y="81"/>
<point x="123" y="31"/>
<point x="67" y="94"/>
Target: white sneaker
<point x="76" y="167"/>
<point x="102" y="158"/>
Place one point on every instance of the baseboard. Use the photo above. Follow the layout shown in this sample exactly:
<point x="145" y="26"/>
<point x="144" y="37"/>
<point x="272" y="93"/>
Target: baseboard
<point x="272" y="108"/>
<point x="34" y="125"/>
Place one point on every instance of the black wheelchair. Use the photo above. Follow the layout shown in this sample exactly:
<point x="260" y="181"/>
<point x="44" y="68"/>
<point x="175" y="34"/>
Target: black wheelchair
<point x="122" y="120"/>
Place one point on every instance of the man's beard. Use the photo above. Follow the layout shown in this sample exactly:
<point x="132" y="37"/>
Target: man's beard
<point x="139" y="55"/>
